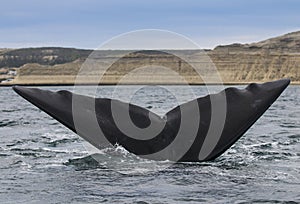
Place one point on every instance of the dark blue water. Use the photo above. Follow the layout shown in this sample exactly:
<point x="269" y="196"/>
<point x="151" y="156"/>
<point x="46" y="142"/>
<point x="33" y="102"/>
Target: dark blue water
<point x="41" y="161"/>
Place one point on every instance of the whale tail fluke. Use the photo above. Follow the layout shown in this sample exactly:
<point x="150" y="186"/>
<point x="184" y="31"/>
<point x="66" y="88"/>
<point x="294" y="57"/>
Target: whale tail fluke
<point x="95" y="122"/>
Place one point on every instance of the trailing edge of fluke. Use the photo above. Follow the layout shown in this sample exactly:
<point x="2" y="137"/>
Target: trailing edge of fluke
<point x="243" y="108"/>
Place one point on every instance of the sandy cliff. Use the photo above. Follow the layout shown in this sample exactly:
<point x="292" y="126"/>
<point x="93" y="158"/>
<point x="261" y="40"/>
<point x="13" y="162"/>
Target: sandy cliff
<point x="237" y="63"/>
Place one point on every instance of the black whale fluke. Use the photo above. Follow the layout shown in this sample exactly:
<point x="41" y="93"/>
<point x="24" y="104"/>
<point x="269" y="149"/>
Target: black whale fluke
<point x="243" y="108"/>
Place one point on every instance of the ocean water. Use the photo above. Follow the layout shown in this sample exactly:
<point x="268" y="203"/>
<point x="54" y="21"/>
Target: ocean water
<point x="41" y="161"/>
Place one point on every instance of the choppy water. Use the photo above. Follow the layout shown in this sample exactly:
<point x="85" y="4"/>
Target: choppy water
<point x="41" y="161"/>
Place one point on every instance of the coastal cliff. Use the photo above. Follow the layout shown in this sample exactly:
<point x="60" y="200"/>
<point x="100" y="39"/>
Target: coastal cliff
<point x="237" y="63"/>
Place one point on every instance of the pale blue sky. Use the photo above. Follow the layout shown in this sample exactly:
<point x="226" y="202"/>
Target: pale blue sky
<point x="87" y="23"/>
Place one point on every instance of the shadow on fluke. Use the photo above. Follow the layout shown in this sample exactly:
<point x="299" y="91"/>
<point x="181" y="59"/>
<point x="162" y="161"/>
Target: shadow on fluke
<point x="244" y="107"/>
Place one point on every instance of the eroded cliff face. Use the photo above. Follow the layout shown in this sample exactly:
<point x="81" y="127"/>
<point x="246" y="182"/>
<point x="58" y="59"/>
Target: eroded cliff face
<point x="263" y="61"/>
<point x="237" y="63"/>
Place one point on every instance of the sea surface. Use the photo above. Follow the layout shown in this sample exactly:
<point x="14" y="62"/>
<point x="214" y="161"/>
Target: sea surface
<point x="41" y="161"/>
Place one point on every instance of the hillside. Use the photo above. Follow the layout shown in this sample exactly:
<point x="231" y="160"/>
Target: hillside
<point x="262" y="61"/>
<point x="270" y="59"/>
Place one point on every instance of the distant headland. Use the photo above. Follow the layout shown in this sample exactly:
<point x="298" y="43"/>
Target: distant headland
<point x="267" y="60"/>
